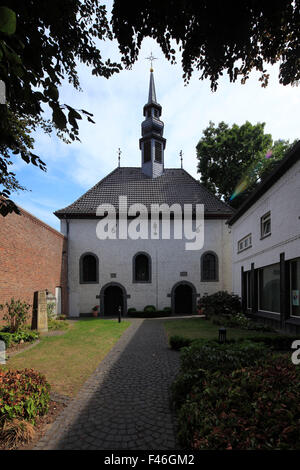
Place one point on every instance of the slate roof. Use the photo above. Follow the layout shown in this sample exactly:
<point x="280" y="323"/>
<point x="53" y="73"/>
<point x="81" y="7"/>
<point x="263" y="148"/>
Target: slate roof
<point x="173" y="186"/>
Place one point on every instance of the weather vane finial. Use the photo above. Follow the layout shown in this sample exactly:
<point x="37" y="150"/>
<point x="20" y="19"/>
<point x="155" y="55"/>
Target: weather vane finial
<point x="119" y="156"/>
<point x="151" y="58"/>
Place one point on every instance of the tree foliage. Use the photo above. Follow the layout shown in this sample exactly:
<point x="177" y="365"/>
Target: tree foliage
<point x="237" y="155"/>
<point x="215" y="37"/>
<point x="41" y="44"/>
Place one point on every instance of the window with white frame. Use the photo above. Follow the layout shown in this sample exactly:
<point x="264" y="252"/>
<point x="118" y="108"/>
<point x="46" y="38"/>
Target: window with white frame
<point x="245" y="243"/>
<point x="265" y="225"/>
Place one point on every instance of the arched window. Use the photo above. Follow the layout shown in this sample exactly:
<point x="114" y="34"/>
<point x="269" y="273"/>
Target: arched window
<point x="209" y="267"/>
<point x="141" y="268"/>
<point x="88" y="268"/>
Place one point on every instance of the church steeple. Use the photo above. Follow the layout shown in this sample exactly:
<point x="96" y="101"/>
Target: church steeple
<point x="152" y="143"/>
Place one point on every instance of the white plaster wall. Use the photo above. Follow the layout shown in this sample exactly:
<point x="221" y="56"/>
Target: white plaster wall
<point x="283" y="200"/>
<point x="169" y="258"/>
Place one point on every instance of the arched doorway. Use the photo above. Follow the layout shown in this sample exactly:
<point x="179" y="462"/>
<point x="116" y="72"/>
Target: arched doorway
<point x="113" y="296"/>
<point x="183" y="298"/>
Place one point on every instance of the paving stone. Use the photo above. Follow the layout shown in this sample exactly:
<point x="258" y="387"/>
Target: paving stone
<point x="125" y="403"/>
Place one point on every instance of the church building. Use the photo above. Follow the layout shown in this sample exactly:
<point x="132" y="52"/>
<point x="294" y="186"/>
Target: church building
<point x="137" y="271"/>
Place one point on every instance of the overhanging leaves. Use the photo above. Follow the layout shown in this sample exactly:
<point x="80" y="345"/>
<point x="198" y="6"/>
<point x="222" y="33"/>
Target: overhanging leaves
<point x="7" y="20"/>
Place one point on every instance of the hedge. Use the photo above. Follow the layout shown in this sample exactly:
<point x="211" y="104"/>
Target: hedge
<point x="247" y="409"/>
<point x="275" y="341"/>
<point x="210" y="356"/>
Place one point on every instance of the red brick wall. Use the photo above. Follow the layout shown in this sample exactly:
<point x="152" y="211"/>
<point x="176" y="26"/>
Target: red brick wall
<point x="33" y="256"/>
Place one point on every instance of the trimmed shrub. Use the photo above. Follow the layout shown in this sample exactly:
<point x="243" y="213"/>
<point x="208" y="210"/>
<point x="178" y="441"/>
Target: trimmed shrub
<point x="23" y="394"/>
<point x="150" y="308"/>
<point x="247" y="409"/>
<point x="167" y="309"/>
<point x="213" y="356"/>
<point x="220" y="303"/>
<point x="177" y="342"/>
<point x="131" y="309"/>
<point x="210" y="356"/>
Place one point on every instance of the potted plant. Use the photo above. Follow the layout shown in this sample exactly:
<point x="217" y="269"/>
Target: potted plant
<point x="95" y="311"/>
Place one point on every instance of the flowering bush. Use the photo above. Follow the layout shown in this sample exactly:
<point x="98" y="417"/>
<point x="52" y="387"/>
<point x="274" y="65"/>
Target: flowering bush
<point x="23" y="394"/>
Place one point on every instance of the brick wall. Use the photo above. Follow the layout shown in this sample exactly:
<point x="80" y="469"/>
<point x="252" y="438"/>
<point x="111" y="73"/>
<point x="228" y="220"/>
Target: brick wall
<point x="33" y="256"/>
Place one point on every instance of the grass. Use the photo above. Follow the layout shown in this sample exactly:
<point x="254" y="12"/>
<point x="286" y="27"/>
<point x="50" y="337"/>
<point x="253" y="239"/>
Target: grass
<point x="68" y="360"/>
<point x="195" y="328"/>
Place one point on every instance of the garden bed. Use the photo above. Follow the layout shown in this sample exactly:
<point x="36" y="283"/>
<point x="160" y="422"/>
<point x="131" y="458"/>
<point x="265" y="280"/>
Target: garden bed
<point x="242" y="394"/>
<point x="42" y="425"/>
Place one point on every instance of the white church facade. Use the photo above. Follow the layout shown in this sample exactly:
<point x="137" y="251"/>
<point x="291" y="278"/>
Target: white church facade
<point x="153" y="270"/>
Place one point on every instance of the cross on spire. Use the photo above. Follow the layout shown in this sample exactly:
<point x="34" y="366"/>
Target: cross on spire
<point x="151" y="58"/>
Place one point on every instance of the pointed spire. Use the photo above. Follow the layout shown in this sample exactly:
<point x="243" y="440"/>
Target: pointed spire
<point x="152" y="94"/>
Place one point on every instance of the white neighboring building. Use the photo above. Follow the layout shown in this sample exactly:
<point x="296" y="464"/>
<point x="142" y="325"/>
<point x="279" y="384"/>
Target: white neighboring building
<point x="266" y="246"/>
<point x="135" y="273"/>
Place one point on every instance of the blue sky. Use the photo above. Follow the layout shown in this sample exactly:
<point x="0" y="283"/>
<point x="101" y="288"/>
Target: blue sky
<point x="117" y="105"/>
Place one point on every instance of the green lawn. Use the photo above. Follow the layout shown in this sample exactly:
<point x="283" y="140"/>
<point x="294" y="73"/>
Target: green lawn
<point x="200" y="328"/>
<point x="68" y="360"/>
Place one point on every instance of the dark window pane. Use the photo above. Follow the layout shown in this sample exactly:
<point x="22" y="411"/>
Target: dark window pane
<point x="158" y="152"/>
<point x="89" y="268"/>
<point x="269" y="288"/>
<point x="142" y="271"/>
<point x="209" y="267"/>
<point x="249" y="293"/>
<point x="147" y="152"/>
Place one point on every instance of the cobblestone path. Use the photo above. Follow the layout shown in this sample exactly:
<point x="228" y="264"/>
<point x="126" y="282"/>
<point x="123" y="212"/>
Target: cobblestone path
<point x="125" y="403"/>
